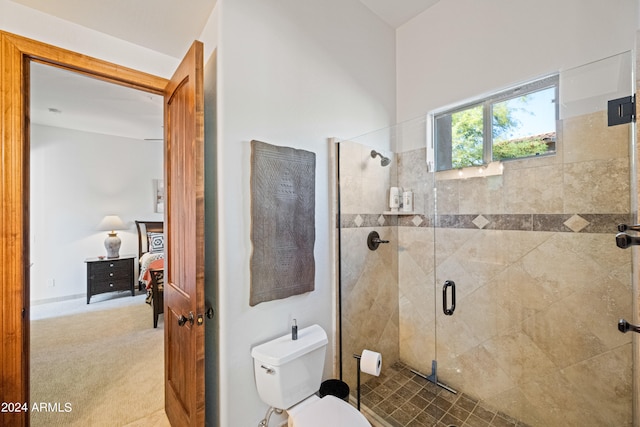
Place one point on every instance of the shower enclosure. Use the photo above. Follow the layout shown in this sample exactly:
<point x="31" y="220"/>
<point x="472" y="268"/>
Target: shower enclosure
<point x="504" y="286"/>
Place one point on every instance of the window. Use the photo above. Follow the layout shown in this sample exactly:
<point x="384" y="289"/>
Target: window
<point x="513" y="124"/>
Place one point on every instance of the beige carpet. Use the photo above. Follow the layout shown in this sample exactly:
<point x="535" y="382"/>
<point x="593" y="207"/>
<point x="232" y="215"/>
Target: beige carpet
<point x="101" y="368"/>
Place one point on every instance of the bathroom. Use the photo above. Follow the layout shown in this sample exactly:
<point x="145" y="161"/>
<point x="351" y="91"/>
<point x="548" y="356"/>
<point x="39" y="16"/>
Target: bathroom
<point x="416" y="95"/>
<point x="493" y="292"/>
<point x="294" y="73"/>
<point x="391" y="298"/>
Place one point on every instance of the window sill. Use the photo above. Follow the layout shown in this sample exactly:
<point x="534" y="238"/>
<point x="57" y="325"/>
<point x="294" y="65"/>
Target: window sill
<point x="492" y="169"/>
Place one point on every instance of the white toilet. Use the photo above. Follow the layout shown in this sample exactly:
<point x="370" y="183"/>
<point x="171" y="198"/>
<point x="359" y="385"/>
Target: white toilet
<point x="288" y="374"/>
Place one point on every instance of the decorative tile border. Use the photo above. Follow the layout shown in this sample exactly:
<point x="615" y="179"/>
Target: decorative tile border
<point x="565" y="223"/>
<point x="367" y="220"/>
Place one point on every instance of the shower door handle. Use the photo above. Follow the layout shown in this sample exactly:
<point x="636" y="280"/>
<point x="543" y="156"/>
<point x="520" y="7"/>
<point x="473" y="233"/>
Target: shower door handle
<point x="449" y="309"/>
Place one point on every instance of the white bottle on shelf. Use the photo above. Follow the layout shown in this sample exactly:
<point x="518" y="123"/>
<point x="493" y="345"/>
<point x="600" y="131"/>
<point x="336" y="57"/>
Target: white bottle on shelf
<point x="407" y="201"/>
<point x="394" y="198"/>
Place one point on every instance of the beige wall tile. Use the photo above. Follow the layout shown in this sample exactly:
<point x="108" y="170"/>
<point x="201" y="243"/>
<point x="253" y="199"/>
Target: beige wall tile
<point x="588" y="138"/>
<point x="597" y="186"/>
<point x="534" y="190"/>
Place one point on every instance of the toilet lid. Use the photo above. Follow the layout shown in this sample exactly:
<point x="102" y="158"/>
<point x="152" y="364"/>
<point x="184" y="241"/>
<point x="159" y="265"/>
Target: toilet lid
<point x="328" y="411"/>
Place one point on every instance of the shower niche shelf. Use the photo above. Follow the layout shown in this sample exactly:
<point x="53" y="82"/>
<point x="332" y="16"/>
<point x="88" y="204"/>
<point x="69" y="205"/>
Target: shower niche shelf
<point x="399" y="213"/>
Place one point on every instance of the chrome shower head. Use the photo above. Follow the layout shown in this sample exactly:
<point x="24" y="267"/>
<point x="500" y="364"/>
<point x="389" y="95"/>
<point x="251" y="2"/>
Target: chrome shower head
<point x="384" y="161"/>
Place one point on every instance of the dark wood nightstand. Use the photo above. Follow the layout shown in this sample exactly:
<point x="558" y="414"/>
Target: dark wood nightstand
<point x="110" y="275"/>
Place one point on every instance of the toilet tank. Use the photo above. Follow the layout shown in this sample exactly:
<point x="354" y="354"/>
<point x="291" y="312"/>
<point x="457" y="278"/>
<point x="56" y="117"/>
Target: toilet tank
<point x="288" y="371"/>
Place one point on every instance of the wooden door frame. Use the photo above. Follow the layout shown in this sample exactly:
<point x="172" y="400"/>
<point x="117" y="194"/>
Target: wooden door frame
<point x="16" y="52"/>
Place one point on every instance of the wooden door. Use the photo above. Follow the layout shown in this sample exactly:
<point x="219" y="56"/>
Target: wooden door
<point x="15" y="54"/>
<point x="184" y="249"/>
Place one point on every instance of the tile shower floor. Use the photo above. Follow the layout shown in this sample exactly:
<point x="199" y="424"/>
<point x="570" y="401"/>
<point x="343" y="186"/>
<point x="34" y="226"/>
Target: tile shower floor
<point x="400" y="398"/>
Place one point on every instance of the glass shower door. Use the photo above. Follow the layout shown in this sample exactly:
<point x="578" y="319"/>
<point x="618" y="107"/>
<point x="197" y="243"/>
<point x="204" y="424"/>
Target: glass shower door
<point x="539" y="282"/>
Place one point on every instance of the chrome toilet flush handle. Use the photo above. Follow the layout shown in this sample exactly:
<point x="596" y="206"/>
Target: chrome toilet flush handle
<point x="269" y="371"/>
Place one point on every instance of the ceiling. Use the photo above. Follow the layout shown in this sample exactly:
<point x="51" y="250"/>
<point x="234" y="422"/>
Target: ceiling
<point x="398" y="12"/>
<point x="70" y="100"/>
<point x="87" y="104"/>
<point x="167" y="26"/>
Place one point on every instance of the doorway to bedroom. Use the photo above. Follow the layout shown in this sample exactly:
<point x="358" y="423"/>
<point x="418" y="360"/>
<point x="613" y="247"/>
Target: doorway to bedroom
<point x="95" y="149"/>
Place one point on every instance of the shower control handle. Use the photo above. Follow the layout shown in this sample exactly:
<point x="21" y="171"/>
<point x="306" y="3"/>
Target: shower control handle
<point x="624" y="326"/>
<point x="374" y="240"/>
<point x="446" y="308"/>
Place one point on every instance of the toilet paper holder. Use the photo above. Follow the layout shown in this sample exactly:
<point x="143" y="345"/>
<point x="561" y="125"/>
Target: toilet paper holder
<point x="358" y="358"/>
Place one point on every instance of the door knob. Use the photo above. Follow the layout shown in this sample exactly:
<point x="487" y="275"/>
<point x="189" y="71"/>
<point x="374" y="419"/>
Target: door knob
<point x="182" y="319"/>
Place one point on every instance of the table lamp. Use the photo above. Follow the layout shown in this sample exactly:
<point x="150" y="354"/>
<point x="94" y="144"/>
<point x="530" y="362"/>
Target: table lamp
<point x="112" y="242"/>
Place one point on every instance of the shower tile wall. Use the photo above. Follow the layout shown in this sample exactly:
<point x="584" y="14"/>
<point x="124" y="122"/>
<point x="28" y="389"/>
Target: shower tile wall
<point x="369" y="279"/>
<point x="540" y="282"/>
<point x="539" y="289"/>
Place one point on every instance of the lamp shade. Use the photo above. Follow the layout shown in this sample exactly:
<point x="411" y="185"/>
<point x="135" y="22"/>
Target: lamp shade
<point x="111" y="223"/>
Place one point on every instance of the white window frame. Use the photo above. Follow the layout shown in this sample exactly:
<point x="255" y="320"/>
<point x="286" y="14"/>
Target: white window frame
<point x="487" y="103"/>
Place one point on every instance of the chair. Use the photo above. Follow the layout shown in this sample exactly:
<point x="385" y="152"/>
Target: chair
<point x="157" y="294"/>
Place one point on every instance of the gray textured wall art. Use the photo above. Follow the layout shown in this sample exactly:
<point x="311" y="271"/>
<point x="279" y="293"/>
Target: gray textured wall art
<point x="282" y="222"/>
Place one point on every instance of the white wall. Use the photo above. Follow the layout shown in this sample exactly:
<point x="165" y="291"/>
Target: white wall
<point x="76" y="179"/>
<point x="290" y="73"/>
<point x="26" y="22"/>
<point x="460" y="49"/>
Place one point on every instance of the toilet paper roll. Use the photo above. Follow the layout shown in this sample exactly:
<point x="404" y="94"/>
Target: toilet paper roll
<point x="371" y="362"/>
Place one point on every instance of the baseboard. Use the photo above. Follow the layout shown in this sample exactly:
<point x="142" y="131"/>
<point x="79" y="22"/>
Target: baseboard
<point x="57" y="299"/>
